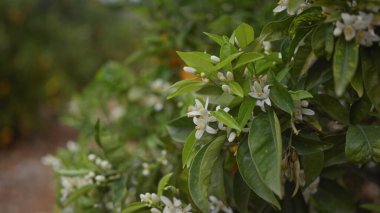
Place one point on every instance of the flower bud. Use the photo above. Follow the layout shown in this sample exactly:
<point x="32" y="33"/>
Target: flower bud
<point x="191" y="70"/>
<point x="231" y="137"/>
<point x="221" y="76"/>
<point x="230" y="76"/>
<point x="215" y="59"/>
<point x="91" y="157"/>
<point x="226" y="88"/>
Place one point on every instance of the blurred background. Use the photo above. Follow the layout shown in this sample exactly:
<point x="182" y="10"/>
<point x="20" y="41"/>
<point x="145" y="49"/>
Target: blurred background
<point x="50" y="52"/>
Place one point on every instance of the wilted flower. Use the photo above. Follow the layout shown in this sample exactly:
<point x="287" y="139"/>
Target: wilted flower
<point x="201" y="118"/>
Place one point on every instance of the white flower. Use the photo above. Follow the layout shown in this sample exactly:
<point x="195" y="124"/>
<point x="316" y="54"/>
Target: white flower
<point x="282" y="5"/>
<point x="175" y="206"/>
<point x="362" y="21"/>
<point x="155" y="210"/>
<point x="100" y="178"/>
<point x="149" y="198"/>
<point x="346" y="27"/>
<point x="267" y="47"/>
<point x="215" y="59"/>
<point x="50" y="160"/>
<point x="260" y="94"/>
<point x="366" y="38"/>
<point x="216" y="206"/>
<point x="201" y="118"/>
<point x="191" y="70"/>
<point x="146" y="170"/>
<point x="91" y="157"/>
<point x="72" y="146"/>
<point x="300" y="109"/>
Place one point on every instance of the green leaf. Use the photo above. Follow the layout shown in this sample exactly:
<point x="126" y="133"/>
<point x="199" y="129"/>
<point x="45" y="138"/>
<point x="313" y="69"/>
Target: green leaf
<point x="245" y="111"/>
<point x="333" y="108"/>
<point x="97" y="133"/>
<point x="236" y="88"/>
<point x="182" y="83"/>
<point x="371" y="206"/>
<point x="357" y="83"/>
<point x="188" y="147"/>
<point x="313" y="165"/>
<point x="135" y="207"/>
<point x="346" y="59"/>
<point x="78" y="193"/>
<point x="226" y="61"/>
<point x="180" y="128"/>
<point x="163" y="182"/>
<point x="217" y="186"/>
<point x="249" y="172"/>
<point x="244" y="35"/>
<point x="242" y="192"/>
<point x="72" y="172"/>
<point x="321" y="38"/>
<point x="309" y="144"/>
<point x="280" y="95"/>
<point x="371" y="74"/>
<point x="226" y="119"/>
<point x="186" y="88"/>
<point x="200" y="172"/>
<point x="265" y="146"/>
<point x="247" y="58"/>
<point x="276" y="30"/>
<point x="363" y="143"/>
<point x="199" y="60"/>
<point x="303" y="60"/>
<point x="217" y="38"/>
<point x="300" y="94"/>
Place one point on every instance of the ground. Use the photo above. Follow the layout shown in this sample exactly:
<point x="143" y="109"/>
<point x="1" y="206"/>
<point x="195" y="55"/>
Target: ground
<point x="25" y="184"/>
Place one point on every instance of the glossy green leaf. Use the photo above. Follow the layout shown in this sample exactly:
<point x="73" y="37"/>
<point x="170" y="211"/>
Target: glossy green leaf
<point x="241" y="192"/>
<point x="200" y="172"/>
<point x="250" y="173"/>
<point x="247" y="58"/>
<point x="217" y="38"/>
<point x="309" y="144"/>
<point x="135" y="207"/>
<point x="236" y="88"/>
<point x="300" y="94"/>
<point x="245" y="111"/>
<point x="280" y="95"/>
<point x="333" y="108"/>
<point x="265" y="145"/>
<point x="320" y="40"/>
<point x="226" y="61"/>
<point x="226" y="119"/>
<point x="346" y="59"/>
<point x="371" y="74"/>
<point x="217" y="185"/>
<point x="162" y="184"/>
<point x="199" y="60"/>
<point x="186" y="88"/>
<point x="363" y="143"/>
<point x="313" y="165"/>
<point x="276" y="30"/>
<point x="244" y="34"/>
<point x="187" y="148"/>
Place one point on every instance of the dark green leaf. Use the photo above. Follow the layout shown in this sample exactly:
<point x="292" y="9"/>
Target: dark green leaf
<point x="245" y="111"/>
<point x="346" y="59"/>
<point x="313" y="165"/>
<point x="371" y="74"/>
<point x="249" y="172"/>
<point x="280" y="95"/>
<point x="363" y="143"/>
<point x="265" y="145"/>
<point x="333" y="108"/>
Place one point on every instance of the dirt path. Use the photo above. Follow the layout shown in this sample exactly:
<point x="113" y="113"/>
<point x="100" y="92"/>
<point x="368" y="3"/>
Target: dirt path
<point x="26" y="186"/>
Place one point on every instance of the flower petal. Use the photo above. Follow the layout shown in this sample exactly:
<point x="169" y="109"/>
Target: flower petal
<point x="306" y="111"/>
<point x="211" y="130"/>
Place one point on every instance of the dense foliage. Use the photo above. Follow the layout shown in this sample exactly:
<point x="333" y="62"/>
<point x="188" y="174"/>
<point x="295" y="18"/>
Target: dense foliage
<point x="283" y="121"/>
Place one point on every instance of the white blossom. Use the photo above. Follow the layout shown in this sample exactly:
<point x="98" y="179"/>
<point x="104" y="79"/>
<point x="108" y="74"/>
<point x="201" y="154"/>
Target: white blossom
<point x="72" y="146"/>
<point x="91" y="157"/>
<point x="50" y="160"/>
<point x="282" y="5"/>
<point x="261" y="94"/>
<point x="201" y="118"/>
<point x="216" y="206"/>
<point x="174" y="206"/>
<point x="267" y="47"/>
<point x="146" y="170"/>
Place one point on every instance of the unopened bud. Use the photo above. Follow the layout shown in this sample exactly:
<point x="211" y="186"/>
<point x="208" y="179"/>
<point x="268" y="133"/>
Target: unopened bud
<point x="91" y="157"/>
<point x="231" y="137"/>
<point x="215" y="59"/>
<point x="230" y="76"/>
<point x="226" y="88"/>
<point x="221" y="76"/>
<point x="191" y="70"/>
<point x="304" y="103"/>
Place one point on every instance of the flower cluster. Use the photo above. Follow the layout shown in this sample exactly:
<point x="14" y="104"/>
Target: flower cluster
<point x="70" y="184"/>
<point x="163" y="204"/>
<point x="104" y="164"/>
<point x="361" y="27"/>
